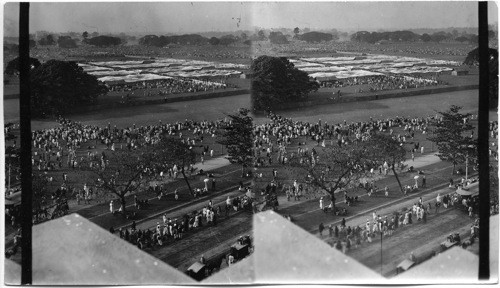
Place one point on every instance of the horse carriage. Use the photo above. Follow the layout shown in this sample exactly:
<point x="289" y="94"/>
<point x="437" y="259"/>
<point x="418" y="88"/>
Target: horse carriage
<point x="59" y="209"/>
<point x="270" y="203"/>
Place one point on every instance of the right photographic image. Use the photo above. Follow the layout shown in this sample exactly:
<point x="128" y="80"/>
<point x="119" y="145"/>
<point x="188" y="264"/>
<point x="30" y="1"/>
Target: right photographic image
<point x="366" y="142"/>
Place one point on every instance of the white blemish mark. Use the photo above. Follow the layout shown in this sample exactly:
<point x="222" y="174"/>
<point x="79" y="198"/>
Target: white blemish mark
<point x="104" y="271"/>
<point x="156" y="263"/>
<point x="137" y="261"/>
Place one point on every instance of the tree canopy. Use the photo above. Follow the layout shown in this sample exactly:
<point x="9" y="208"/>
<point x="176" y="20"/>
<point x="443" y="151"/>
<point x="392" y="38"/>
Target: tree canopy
<point x="47" y="40"/>
<point x="275" y="80"/>
<point x="373" y="37"/>
<point x="387" y="150"/>
<point x="237" y="136"/>
<point x="314" y="37"/>
<point x="66" y="42"/>
<point x="277" y="38"/>
<point x="334" y="168"/>
<point x="185" y="39"/>
<point x="473" y="59"/>
<point x="453" y="135"/>
<point x="104" y="41"/>
<point x="58" y="86"/>
<point x="172" y="151"/>
<point x="119" y="172"/>
<point x="13" y="65"/>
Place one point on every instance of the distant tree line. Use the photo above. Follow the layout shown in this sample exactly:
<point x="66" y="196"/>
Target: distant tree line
<point x="409" y="36"/>
<point x="161" y="41"/>
<point x="316" y="37"/>
<point x="103" y="41"/>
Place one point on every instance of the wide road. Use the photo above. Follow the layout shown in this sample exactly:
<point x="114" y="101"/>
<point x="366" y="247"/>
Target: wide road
<point x="208" y="240"/>
<point x="211" y="109"/>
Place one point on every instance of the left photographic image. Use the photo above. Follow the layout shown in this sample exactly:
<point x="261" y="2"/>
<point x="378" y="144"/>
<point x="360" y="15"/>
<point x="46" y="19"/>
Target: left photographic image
<point x="141" y="136"/>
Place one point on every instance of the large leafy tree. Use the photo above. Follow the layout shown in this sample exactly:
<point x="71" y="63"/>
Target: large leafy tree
<point x="334" y="167"/>
<point x="453" y="137"/>
<point x="387" y="149"/>
<point x="275" y="80"/>
<point x="47" y="40"/>
<point x="13" y="65"/>
<point x="172" y="151"/>
<point x="66" y="42"/>
<point x="120" y="173"/>
<point x="237" y="136"/>
<point x="58" y="86"/>
<point x="473" y="59"/>
<point x="277" y="38"/>
<point x="296" y="31"/>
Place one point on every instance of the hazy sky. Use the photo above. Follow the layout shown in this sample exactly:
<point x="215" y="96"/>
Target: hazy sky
<point x="184" y="17"/>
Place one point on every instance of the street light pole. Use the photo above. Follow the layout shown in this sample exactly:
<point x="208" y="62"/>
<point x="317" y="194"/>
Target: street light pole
<point x="8" y="189"/>
<point x="466" y="166"/>
<point x="381" y="253"/>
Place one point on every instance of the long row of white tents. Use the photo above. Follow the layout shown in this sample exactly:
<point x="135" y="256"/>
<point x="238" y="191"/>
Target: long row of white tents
<point x="341" y="67"/>
<point x="157" y="69"/>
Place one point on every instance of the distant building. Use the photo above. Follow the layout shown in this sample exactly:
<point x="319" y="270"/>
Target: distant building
<point x="459" y="72"/>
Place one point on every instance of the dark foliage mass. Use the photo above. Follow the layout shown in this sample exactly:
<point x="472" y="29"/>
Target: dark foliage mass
<point x="277" y="38"/>
<point x="104" y="41"/>
<point x="66" y="42"/>
<point x="161" y="41"/>
<point x="313" y="37"/>
<point x="473" y="59"/>
<point x="57" y="87"/>
<point x="275" y="80"/>
<point x="238" y="139"/>
<point x="373" y="37"/>
<point x="13" y="65"/>
<point x="409" y="36"/>
<point x="47" y="40"/>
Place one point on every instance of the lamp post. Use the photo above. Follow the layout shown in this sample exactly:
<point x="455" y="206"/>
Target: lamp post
<point x="381" y="258"/>
<point x="467" y="160"/>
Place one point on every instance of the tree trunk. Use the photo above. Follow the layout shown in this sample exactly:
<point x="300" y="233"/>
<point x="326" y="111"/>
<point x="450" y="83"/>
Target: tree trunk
<point x="332" y="195"/>
<point x="397" y="178"/>
<point x="453" y="170"/>
<point x="242" y="171"/>
<point x="187" y="182"/>
<point x="123" y="204"/>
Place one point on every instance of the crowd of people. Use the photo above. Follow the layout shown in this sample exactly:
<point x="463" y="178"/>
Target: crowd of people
<point x="168" y="87"/>
<point x="384" y="82"/>
<point x="73" y="146"/>
<point x="346" y="237"/>
<point x="405" y="48"/>
<point x="168" y="230"/>
<point x="276" y="135"/>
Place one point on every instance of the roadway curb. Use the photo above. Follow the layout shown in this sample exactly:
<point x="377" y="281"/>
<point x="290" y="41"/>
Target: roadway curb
<point x="178" y="207"/>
